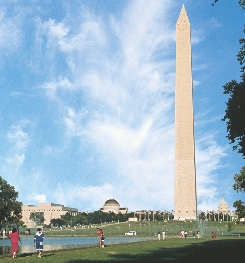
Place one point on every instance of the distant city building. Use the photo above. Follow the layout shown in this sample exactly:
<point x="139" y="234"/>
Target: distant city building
<point x="47" y="210"/>
<point x="223" y="207"/>
<point x="112" y="205"/>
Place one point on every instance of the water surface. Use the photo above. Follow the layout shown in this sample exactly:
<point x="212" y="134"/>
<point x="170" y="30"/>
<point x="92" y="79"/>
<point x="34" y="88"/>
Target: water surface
<point x="59" y="243"/>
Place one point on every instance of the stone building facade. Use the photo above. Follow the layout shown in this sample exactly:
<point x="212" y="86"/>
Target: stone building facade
<point x="47" y="210"/>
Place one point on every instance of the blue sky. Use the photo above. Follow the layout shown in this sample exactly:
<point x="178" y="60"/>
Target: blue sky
<point x="87" y="100"/>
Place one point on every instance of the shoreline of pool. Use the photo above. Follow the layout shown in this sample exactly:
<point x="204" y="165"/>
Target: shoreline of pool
<point x="61" y="243"/>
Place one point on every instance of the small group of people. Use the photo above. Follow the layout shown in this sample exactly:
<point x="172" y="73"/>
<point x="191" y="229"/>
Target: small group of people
<point x="182" y="234"/>
<point x="164" y="234"/>
<point x="15" y="239"/>
<point x="101" y="237"/>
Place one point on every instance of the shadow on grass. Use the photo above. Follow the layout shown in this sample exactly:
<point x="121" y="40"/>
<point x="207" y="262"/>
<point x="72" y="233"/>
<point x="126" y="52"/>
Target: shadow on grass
<point x="213" y="251"/>
<point x="31" y="254"/>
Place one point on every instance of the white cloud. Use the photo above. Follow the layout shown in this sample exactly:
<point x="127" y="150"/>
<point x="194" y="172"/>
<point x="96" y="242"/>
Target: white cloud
<point x="214" y="23"/>
<point x="37" y="198"/>
<point x="10" y="32"/>
<point x="90" y="33"/>
<point x="209" y="159"/>
<point x="86" y="197"/>
<point x="14" y="149"/>
<point x="16" y="159"/>
<point x="18" y="137"/>
<point x="62" y="83"/>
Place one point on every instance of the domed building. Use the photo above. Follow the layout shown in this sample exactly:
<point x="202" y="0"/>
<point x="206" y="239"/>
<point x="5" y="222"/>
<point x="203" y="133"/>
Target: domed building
<point x="223" y="207"/>
<point x="112" y="205"/>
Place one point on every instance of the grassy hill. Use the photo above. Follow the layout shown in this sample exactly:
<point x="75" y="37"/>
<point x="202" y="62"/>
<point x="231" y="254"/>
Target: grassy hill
<point x="150" y="228"/>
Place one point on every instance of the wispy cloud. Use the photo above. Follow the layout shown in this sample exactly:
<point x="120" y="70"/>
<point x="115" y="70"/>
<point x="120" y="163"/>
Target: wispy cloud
<point x="209" y="159"/>
<point x="14" y="148"/>
<point x="127" y="105"/>
<point x="38" y="198"/>
<point x="18" y="140"/>
<point x="10" y="32"/>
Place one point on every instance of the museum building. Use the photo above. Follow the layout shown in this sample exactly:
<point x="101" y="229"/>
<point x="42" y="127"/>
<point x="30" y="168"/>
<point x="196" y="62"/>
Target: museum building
<point x="47" y="210"/>
<point x="112" y="205"/>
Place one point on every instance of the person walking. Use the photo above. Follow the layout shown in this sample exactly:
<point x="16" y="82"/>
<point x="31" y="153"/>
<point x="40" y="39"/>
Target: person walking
<point x="158" y="235"/>
<point x="38" y="242"/>
<point x="15" y="238"/>
<point x="99" y="234"/>
<point x="163" y="235"/>
<point x="103" y="240"/>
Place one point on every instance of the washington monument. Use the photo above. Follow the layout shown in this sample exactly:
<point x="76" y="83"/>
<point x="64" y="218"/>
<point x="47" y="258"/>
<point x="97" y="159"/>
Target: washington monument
<point x="185" y="200"/>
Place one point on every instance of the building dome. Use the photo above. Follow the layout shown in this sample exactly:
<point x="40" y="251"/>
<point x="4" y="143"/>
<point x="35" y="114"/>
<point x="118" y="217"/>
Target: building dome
<point x="112" y="205"/>
<point x="111" y="202"/>
<point x="223" y="207"/>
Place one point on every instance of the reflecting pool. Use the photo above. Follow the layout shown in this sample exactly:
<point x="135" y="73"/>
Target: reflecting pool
<point x="59" y="243"/>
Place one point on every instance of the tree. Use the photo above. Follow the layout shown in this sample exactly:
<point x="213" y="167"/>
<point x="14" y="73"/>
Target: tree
<point x="240" y="208"/>
<point x="67" y="219"/>
<point x="241" y="3"/>
<point x="239" y="179"/>
<point x="202" y="216"/>
<point x="80" y="218"/>
<point x="37" y="217"/>
<point x="10" y="208"/>
<point x="239" y="186"/>
<point x="235" y="111"/>
<point x="235" y="114"/>
<point x="229" y="227"/>
<point x="57" y="222"/>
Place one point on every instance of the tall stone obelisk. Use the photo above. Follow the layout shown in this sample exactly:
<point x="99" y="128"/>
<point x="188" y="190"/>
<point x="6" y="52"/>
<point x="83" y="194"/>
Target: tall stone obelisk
<point x="185" y="201"/>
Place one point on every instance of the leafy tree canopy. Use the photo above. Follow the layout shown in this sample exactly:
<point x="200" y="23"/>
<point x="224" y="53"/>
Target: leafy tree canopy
<point x="57" y="222"/>
<point x="240" y="208"/>
<point x="95" y="217"/>
<point x="10" y="208"/>
<point x="235" y="111"/>
<point x="239" y="179"/>
<point x="239" y="186"/>
<point x="235" y="114"/>
<point x="241" y="3"/>
<point x="37" y="217"/>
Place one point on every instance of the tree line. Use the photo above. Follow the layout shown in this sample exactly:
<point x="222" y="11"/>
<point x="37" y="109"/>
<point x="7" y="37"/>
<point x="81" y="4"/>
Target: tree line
<point x="83" y="218"/>
<point x="98" y="217"/>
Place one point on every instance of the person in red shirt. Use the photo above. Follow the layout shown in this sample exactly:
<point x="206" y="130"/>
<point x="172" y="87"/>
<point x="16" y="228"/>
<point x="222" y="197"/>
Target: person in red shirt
<point x="99" y="234"/>
<point x="14" y="236"/>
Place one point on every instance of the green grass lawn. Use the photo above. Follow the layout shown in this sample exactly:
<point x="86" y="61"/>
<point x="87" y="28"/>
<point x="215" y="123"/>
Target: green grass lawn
<point x="150" y="228"/>
<point x="170" y="250"/>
